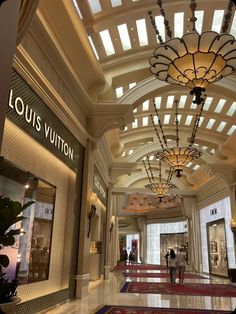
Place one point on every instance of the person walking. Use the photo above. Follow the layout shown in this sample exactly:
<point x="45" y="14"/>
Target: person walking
<point x="167" y="259"/>
<point x="172" y="266"/>
<point x="181" y="260"/>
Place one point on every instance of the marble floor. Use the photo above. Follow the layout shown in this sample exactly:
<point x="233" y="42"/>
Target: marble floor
<point x="107" y="293"/>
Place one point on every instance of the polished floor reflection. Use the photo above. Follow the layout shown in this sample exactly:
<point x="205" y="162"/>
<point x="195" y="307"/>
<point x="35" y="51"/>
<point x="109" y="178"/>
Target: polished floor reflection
<point x="107" y="293"/>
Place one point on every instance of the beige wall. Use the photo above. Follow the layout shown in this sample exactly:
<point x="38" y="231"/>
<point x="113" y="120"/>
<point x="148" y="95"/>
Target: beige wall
<point x="23" y="151"/>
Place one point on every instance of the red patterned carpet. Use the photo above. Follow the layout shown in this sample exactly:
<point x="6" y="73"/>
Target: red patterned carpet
<point x="139" y="267"/>
<point x="160" y="275"/>
<point x="112" y="309"/>
<point x="215" y="290"/>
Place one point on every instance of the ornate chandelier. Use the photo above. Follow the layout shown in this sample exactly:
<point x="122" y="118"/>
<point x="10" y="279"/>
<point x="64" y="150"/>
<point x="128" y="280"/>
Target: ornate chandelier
<point x="195" y="60"/>
<point x="177" y="156"/>
<point x="160" y="187"/>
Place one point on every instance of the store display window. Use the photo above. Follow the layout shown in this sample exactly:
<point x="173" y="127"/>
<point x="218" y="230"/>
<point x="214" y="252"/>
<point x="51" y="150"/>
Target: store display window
<point x="30" y="256"/>
<point x="217" y="248"/>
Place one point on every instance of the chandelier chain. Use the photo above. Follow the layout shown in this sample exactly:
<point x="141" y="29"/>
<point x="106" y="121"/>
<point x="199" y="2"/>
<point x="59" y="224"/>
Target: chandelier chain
<point x="157" y="133"/>
<point x="155" y="28"/>
<point x="149" y="178"/>
<point x="166" y="22"/>
<point x="196" y="124"/>
<point x="150" y="169"/>
<point x="177" y="122"/>
<point x="160" y="124"/>
<point x="159" y="170"/>
<point x="193" y="19"/>
<point x="227" y="18"/>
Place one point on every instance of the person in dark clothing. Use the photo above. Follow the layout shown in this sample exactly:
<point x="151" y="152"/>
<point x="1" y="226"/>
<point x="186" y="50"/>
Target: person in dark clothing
<point x="167" y="259"/>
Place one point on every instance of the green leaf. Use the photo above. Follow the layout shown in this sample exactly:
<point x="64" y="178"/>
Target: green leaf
<point x="4" y="260"/>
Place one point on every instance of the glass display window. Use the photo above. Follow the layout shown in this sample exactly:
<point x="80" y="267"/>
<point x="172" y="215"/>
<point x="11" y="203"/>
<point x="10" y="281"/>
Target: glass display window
<point x="217" y="248"/>
<point x="30" y="256"/>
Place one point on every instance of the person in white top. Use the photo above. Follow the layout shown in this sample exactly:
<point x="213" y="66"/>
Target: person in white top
<point x="181" y="260"/>
<point x="172" y="266"/>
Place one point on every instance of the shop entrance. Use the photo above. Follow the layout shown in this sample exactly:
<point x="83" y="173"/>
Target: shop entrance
<point x="217" y="249"/>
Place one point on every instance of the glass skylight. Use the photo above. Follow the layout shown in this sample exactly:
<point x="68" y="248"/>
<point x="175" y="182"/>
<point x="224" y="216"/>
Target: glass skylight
<point x="179" y="24"/>
<point x="199" y="15"/>
<point x="77" y="9"/>
<point x="217" y="20"/>
<point x="142" y="32"/>
<point x="189" y="164"/>
<point x="145" y="121"/>
<point x="151" y="157"/>
<point x="146" y="105"/>
<point x="220" y="105"/>
<point x="93" y="47"/>
<point x="166" y="118"/>
<point x="160" y="26"/>
<point x="200" y="121"/>
<point x="135" y="110"/>
<point x="212" y="151"/>
<point x="188" y="120"/>
<point x="179" y="116"/>
<point x="135" y="123"/>
<point x="131" y="85"/>
<point x="207" y="103"/>
<point x="126" y="128"/>
<point x="233" y="27"/>
<point x="124" y="36"/>
<point x="123" y="155"/>
<point x="158" y="102"/>
<point x="193" y="106"/>
<point x="210" y="123"/>
<point x="119" y="92"/>
<point x="95" y="6"/>
<point x="232" y="109"/>
<point x="231" y="130"/>
<point x="116" y="3"/>
<point x="196" y="167"/>
<point x="221" y="126"/>
<point x="170" y="101"/>
<point x="204" y="147"/>
<point x="182" y="101"/>
<point x="155" y="119"/>
<point x="107" y="43"/>
<point x="130" y="152"/>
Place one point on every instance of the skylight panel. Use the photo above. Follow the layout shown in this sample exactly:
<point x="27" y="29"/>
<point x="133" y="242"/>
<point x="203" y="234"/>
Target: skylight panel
<point x="196" y="167"/>
<point x="155" y="120"/>
<point x="166" y="118"/>
<point x="221" y="126"/>
<point x="200" y="121"/>
<point x="135" y="110"/>
<point x="107" y="43"/>
<point x="93" y="47"/>
<point x="116" y="3"/>
<point x="142" y="32"/>
<point x="188" y="120"/>
<point x="204" y="147"/>
<point x="179" y="24"/>
<point x="123" y="155"/>
<point x="212" y="151"/>
<point x="193" y="106"/>
<point x="151" y="157"/>
<point x="207" y="103"/>
<point x="95" y="6"/>
<point x="160" y="26"/>
<point x="231" y="130"/>
<point x="179" y="116"/>
<point x="119" y="92"/>
<point x="217" y="20"/>
<point x="146" y="105"/>
<point x="124" y="36"/>
<point x="233" y="27"/>
<point x="189" y="164"/>
<point x="158" y="102"/>
<point x="232" y="109"/>
<point x="170" y="101"/>
<point x="131" y="85"/>
<point x="145" y="121"/>
<point x="130" y="152"/>
<point x="126" y="128"/>
<point x="220" y="105"/>
<point x="135" y="124"/>
<point x="199" y="15"/>
<point x="210" y="124"/>
<point x="182" y="101"/>
<point x="77" y="9"/>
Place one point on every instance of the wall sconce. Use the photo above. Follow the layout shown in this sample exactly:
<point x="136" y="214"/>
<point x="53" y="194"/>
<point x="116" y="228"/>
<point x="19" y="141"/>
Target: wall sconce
<point x="92" y="212"/>
<point x="233" y="225"/>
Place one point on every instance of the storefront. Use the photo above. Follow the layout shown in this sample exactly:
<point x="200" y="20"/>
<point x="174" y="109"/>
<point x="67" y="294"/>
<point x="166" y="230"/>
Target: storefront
<point x="98" y="228"/>
<point x="217" y="238"/>
<point x="42" y="161"/>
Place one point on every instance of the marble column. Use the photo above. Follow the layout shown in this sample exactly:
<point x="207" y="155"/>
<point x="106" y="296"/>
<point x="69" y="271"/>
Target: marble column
<point x="109" y="229"/>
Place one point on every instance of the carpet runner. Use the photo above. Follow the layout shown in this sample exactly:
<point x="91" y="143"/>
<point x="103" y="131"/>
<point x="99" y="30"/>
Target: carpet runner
<point x="160" y="275"/>
<point x="215" y="290"/>
<point x="116" y="309"/>
<point x="139" y="267"/>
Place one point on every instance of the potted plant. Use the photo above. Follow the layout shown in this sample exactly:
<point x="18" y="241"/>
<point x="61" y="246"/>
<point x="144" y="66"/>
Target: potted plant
<point x="9" y="215"/>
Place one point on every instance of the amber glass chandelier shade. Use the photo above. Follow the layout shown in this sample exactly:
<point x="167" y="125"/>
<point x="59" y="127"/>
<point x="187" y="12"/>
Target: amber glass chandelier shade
<point x="160" y="188"/>
<point x="178" y="157"/>
<point x="195" y="60"/>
